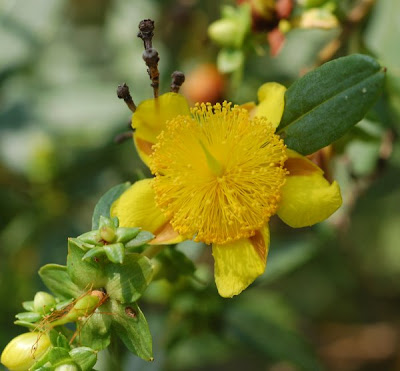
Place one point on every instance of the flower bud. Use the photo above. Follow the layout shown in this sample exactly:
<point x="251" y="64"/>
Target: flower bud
<point x="107" y="234"/>
<point x="69" y="367"/>
<point x="43" y="302"/>
<point x="224" y="32"/>
<point x="24" y="350"/>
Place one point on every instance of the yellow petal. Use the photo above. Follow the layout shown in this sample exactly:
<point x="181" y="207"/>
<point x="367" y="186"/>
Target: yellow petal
<point x="297" y="164"/>
<point x="239" y="263"/>
<point x="272" y="102"/>
<point x="136" y="208"/>
<point x="144" y="149"/>
<point x="152" y="114"/>
<point x="308" y="199"/>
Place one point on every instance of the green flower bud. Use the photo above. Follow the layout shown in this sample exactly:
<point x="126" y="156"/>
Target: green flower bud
<point x="107" y="234"/>
<point x="24" y="350"/>
<point x="43" y="302"/>
<point x="69" y="367"/>
<point x="224" y="32"/>
<point x="84" y="307"/>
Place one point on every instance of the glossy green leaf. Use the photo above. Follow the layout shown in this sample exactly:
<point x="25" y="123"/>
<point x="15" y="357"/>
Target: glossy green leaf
<point x="85" y="357"/>
<point x="141" y="239"/>
<point x="103" y="206"/>
<point x="127" y="281"/>
<point x="56" y="278"/>
<point x="94" y="332"/>
<point x="131" y="326"/>
<point x="85" y="274"/>
<point x="115" y="252"/>
<point x="126" y="234"/>
<point x="325" y="103"/>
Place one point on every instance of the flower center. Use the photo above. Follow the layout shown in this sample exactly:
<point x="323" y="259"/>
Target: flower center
<point x="218" y="173"/>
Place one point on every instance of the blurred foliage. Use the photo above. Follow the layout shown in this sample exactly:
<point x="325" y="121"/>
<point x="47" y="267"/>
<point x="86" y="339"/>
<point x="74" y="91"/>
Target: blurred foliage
<point x="330" y="296"/>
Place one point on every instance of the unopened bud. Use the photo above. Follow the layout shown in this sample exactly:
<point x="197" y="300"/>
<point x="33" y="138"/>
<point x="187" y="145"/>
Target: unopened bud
<point x="224" y="32"/>
<point x="43" y="302"/>
<point x="23" y="351"/>
<point x="107" y="234"/>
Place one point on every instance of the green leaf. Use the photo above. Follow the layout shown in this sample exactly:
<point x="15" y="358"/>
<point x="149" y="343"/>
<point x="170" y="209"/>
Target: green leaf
<point x="103" y="206"/>
<point x="141" y="239"/>
<point x="92" y="237"/>
<point x="85" y="357"/>
<point x="56" y="278"/>
<point x="59" y="340"/>
<point x="127" y="281"/>
<point x="28" y="305"/>
<point x="28" y="317"/>
<point x="131" y="326"/>
<point x="124" y="235"/>
<point x="55" y="356"/>
<point x="90" y="254"/>
<point x="174" y="264"/>
<point x="115" y="252"/>
<point x="325" y="103"/>
<point x="85" y="274"/>
<point x="94" y="332"/>
<point x="31" y="326"/>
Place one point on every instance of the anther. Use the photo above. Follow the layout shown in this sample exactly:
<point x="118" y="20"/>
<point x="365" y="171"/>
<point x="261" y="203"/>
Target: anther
<point x="151" y="58"/>
<point x="146" y="28"/>
<point x="178" y="78"/>
<point x="124" y="93"/>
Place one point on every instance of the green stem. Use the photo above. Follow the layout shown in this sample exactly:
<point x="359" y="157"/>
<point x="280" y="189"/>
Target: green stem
<point x="153" y="250"/>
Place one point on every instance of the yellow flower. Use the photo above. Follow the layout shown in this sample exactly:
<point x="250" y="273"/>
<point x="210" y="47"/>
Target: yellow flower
<point x="220" y="173"/>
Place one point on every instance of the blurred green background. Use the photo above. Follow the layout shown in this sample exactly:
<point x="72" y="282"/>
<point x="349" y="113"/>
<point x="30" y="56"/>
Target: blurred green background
<point x="330" y="298"/>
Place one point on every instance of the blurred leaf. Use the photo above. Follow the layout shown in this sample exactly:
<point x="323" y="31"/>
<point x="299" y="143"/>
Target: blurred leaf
<point x="263" y="322"/>
<point x="230" y="60"/>
<point x="174" y="264"/>
<point x="131" y="326"/>
<point x="56" y="278"/>
<point x="28" y="305"/>
<point x="325" y="103"/>
<point x="85" y="357"/>
<point x="102" y="208"/>
<point x="127" y="282"/>
<point x="284" y="259"/>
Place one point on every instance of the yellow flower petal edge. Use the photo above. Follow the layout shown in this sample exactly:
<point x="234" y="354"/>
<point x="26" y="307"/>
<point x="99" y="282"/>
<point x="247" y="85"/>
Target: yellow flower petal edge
<point x="297" y="164"/>
<point x="272" y="102"/>
<point x="239" y="263"/>
<point x="136" y="208"/>
<point x="151" y="115"/>
<point x="308" y="199"/>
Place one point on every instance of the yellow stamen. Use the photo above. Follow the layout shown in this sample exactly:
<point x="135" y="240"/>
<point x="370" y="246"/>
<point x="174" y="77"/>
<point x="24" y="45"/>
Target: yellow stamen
<point x="218" y="173"/>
